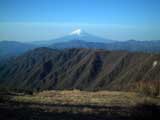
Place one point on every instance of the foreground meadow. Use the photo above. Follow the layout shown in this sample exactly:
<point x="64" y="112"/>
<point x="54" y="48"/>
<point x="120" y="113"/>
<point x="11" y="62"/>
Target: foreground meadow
<point x="77" y="105"/>
<point x="76" y="97"/>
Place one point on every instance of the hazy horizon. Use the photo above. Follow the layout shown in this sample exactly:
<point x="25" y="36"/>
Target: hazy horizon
<point x="37" y="20"/>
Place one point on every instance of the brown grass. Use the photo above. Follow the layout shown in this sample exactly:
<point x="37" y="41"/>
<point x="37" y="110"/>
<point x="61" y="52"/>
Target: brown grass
<point x="76" y="97"/>
<point x="149" y="88"/>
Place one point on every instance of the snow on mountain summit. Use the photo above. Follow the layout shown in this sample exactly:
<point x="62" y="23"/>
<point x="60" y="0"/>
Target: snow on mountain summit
<point x="77" y="32"/>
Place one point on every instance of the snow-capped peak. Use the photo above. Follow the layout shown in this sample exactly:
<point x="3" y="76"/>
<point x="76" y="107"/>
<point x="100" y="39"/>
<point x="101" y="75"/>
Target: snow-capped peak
<point x="77" y="32"/>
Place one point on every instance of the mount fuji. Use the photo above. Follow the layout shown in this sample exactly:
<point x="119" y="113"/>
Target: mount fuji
<point x="76" y="35"/>
<point x="80" y="34"/>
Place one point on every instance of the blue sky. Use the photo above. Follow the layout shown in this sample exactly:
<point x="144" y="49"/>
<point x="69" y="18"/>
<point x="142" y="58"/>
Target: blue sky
<point x="29" y="20"/>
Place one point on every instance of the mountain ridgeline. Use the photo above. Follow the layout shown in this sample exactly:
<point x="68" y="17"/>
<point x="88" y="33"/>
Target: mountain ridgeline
<point x="84" y="69"/>
<point x="12" y="48"/>
<point x="78" y="39"/>
<point x="130" y="45"/>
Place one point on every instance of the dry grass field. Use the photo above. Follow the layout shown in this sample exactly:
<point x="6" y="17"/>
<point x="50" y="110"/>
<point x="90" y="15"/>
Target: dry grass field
<point x="76" y="97"/>
<point x="78" y="105"/>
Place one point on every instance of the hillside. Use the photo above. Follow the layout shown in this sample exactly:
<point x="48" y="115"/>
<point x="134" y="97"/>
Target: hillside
<point x="84" y="69"/>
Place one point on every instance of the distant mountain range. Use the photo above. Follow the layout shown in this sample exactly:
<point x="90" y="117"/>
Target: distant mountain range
<point x="130" y="45"/>
<point x="78" y="61"/>
<point x="85" y="69"/>
<point x="78" y="39"/>
<point x="12" y="48"/>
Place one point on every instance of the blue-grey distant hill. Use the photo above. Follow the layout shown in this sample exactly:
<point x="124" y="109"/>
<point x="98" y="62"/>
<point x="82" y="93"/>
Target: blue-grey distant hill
<point x="13" y="48"/>
<point x="130" y="45"/>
